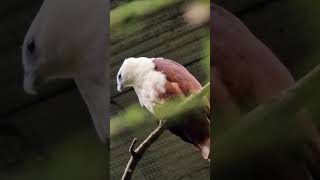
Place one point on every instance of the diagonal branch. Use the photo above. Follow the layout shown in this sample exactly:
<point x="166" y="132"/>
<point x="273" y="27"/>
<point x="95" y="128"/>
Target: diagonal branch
<point x="137" y="154"/>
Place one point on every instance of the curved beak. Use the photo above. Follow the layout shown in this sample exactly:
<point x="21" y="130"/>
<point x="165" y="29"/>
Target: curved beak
<point x="30" y="83"/>
<point x="119" y="87"/>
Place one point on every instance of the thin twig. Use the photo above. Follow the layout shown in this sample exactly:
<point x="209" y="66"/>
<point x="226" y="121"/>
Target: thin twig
<point x="137" y="154"/>
<point x="131" y="148"/>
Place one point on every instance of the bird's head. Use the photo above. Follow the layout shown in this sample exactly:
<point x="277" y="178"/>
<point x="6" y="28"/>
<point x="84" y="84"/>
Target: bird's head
<point x="52" y="46"/>
<point x="133" y="71"/>
<point x="41" y="61"/>
<point x="69" y="39"/>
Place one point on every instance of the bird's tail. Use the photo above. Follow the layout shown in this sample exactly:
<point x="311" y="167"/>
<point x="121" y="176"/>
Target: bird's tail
<point x="205" y="149"/>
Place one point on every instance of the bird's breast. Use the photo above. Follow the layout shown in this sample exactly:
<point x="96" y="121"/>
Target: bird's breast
<point x="149" y="94"/>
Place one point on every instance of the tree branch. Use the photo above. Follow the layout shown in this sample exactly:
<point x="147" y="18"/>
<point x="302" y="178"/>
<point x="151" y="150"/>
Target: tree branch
<point x="137" y="154"/>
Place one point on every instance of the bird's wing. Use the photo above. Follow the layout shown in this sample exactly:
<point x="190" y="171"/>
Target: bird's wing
<point x="194" y="126"/>
<point x="178" y="76"/>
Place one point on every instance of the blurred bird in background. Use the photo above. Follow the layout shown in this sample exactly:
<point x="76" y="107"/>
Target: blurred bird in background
<point x="69" y="39"/>
<point x="246" y="73"/>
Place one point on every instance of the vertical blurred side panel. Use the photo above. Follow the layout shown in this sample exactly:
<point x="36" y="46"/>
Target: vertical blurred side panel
<point x="52" y="135"/>
<point x="258" y="51"/>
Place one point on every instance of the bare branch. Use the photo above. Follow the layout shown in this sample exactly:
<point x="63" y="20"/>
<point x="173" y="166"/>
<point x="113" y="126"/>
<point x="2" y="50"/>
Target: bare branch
<point x="131" y="148"/>
<point x="137" y="154"/>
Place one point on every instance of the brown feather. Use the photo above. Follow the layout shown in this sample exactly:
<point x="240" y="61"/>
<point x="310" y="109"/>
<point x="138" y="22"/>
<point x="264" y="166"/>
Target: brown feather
<point x="194" y="127"/>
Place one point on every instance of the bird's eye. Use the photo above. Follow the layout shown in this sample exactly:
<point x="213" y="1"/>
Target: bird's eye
<point x="31" y="46"/>
<point x="119" y="76"/>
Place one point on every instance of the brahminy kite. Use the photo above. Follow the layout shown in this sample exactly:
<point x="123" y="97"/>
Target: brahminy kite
<point x="69" y="39"/>
<point x="158" y="80"/>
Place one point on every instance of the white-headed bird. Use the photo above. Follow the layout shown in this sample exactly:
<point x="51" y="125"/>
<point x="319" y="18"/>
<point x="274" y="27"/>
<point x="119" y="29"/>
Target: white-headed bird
<point x="158" y="80"/>
<point x="69" y="39"/>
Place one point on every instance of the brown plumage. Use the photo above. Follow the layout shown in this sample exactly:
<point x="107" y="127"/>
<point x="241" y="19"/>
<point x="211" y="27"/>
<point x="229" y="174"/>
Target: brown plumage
<point x="195" y="126"/>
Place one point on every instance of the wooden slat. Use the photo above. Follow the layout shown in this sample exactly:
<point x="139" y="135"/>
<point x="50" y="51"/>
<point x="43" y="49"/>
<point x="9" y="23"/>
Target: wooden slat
<point x="184" y="50"/>
<point x="147" y="34"/>
<point x="151" y="20"/>
<point x="179" y="45"/>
